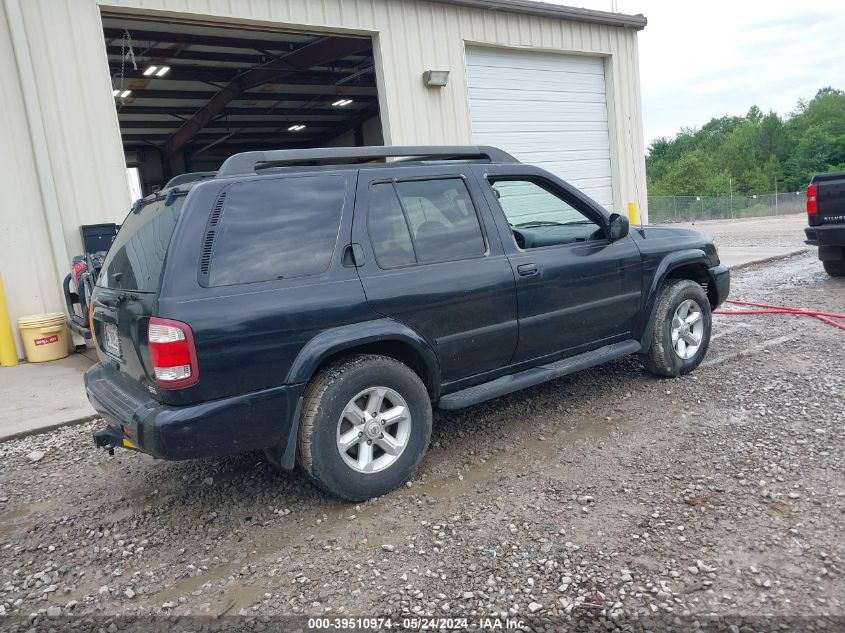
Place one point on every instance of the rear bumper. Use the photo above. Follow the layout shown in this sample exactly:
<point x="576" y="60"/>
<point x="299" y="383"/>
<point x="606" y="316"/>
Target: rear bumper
<point x="720" y="285"/>
<point x="829" y="238"/>
<point x="222" y="427"/>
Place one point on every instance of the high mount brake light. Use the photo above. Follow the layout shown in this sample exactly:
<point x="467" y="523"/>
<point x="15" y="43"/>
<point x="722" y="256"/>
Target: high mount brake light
<point x="172" y="352"/>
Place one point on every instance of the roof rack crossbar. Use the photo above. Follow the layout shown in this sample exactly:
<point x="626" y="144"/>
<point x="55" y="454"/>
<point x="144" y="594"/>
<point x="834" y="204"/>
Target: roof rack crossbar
<point x="250" y="162"/>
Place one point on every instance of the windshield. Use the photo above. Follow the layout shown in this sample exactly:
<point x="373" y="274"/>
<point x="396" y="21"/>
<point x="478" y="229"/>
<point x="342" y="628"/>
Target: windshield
<point x="136" y="257"/>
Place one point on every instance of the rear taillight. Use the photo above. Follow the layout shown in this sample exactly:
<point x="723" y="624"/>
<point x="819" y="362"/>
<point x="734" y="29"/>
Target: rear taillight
<point x="812" y="203"/>
<point x="172" y="352"/>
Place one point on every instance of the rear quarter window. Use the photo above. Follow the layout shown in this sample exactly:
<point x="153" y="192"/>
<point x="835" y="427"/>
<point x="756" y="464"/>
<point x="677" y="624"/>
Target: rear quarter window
<point x="279" y="228"/>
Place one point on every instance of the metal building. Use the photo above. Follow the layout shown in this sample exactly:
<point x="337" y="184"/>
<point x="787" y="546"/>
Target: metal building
<point x="96" y="90"/>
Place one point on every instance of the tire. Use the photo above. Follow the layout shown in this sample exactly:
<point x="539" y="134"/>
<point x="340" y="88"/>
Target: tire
<point x="835" y="268"/>
<point x="328" y="414"/>
<point x="663" y="358"/>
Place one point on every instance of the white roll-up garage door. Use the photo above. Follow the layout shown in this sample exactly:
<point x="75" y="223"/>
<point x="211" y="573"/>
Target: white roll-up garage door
<point x="546" y="109"/>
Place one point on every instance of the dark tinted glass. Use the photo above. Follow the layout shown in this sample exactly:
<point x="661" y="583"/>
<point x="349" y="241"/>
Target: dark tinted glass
<point x="388" y="230"/>
<point x="277" y="229"/>
<point x="136" y="257"/>
<point x="443" y="219"/>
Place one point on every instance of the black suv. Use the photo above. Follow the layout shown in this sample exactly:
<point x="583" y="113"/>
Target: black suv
<point x="313" y="305"/>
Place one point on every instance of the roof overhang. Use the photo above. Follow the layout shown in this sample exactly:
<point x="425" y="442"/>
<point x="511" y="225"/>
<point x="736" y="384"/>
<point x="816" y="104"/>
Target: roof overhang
<point x="557" y="11"/>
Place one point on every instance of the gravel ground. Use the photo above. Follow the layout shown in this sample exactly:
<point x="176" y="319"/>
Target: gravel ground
<point x="606" y="496"/>
<point x="784" y="230"/>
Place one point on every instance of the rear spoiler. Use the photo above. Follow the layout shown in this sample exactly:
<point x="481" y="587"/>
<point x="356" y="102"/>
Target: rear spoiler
<point x="186" y="178"/>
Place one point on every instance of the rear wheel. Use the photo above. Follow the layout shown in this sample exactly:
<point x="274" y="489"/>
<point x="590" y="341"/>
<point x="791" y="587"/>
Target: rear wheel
<point x="366" y="424"/>
<point x="682" y="328"/>
<point x="835" y="268"/>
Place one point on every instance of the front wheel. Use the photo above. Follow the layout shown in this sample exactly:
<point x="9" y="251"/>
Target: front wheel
<point x="366" y="423"/>
<point x="682" y="328"/>
<point x="835" y="268"/>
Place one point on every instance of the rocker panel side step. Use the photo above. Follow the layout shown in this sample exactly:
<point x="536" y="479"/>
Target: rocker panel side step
<point x="537" y="375"/>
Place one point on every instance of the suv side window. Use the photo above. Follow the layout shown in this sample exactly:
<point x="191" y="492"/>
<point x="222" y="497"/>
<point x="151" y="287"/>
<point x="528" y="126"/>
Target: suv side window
<point x="278" y="228"/>
<point x="423" y="221"/>
<point x="539" y="217"/>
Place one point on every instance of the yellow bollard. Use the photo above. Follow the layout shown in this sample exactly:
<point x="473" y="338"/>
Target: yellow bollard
<point x="8" y="353"/>
<point x="633" y="214"/>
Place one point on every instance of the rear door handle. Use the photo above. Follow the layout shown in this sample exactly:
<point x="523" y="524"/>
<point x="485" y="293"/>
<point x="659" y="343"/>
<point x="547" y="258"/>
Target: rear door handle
<point x="353" y="256"/>
<point x="527" y="269"/>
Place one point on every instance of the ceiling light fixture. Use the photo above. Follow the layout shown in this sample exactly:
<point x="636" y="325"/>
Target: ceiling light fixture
<point x="115" y="92"/>
<point x="125" y="94"/>
<point x="150" y="70"/>
<point x="296" y="128"/>
<point x="340" y="103"/>
<point x="163" y="71"/>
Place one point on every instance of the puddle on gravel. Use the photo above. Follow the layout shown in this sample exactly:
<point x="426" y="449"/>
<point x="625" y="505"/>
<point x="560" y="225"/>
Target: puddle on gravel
<point x="22" y="518"/>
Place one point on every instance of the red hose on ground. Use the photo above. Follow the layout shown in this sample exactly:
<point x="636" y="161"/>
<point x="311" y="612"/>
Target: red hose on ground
<point x="768" y="308"/>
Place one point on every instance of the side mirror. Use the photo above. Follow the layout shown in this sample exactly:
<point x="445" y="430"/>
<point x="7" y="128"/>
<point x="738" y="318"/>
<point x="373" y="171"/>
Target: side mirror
<point x="619" y="226"/>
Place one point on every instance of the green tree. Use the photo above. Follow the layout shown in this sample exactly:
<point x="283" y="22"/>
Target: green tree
<point x="748" y="153"/>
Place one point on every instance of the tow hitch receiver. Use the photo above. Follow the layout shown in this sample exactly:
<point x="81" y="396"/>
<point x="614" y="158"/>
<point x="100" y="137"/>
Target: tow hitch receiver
<point x="108" y="438"/>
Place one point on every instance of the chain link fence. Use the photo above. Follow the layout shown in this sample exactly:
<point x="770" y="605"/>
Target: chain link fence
<point x="665" y="209"/>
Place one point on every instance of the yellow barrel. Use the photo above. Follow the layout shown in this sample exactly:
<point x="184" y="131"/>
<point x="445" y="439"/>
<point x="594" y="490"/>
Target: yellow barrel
<point x="44" y="336"/>
<point x="633" y="214"/>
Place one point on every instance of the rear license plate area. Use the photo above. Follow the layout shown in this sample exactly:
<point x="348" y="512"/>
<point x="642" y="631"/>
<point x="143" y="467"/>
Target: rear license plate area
<point x="111" y="339"/>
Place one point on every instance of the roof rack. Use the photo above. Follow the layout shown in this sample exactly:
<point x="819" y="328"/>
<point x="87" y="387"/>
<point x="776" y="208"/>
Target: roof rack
<point x="182" y="179"/>
<point x="251" y="162"/>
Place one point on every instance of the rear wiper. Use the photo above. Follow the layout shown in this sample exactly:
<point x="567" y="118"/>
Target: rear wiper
<point x="122" y="297"/>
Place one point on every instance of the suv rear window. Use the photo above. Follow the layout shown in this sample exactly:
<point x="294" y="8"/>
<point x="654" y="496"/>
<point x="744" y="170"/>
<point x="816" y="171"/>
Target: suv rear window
<point x="136" y="257"/>
<point x="280" y="228"/>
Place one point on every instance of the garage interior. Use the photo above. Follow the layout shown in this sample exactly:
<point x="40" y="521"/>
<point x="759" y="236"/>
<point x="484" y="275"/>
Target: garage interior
<point x="188" y="95"/>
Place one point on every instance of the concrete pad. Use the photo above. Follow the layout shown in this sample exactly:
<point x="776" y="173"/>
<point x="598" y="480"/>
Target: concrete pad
<point x="741" y="256"/>
<point x="749" y="241"/>
<point x="37" y="397"/>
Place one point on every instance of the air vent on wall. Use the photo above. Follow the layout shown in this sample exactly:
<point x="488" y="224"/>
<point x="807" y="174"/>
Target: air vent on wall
<point x="210" y="232"/>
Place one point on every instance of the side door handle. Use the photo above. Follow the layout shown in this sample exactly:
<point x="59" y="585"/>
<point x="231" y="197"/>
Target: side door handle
<point x="527" y="269"/>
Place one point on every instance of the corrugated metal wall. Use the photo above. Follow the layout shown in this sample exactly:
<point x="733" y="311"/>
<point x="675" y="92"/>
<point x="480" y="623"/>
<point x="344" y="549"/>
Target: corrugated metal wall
<point x="65" y="42"/>
<point x="26" y="262"/>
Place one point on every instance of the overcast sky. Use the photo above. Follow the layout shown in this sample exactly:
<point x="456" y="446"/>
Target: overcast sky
<point x="710" y="58"/>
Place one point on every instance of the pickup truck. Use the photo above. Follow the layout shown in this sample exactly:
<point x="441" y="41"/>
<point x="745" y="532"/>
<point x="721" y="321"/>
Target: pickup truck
<point x="826" y="217"/>
<point x="316" y="304"/>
